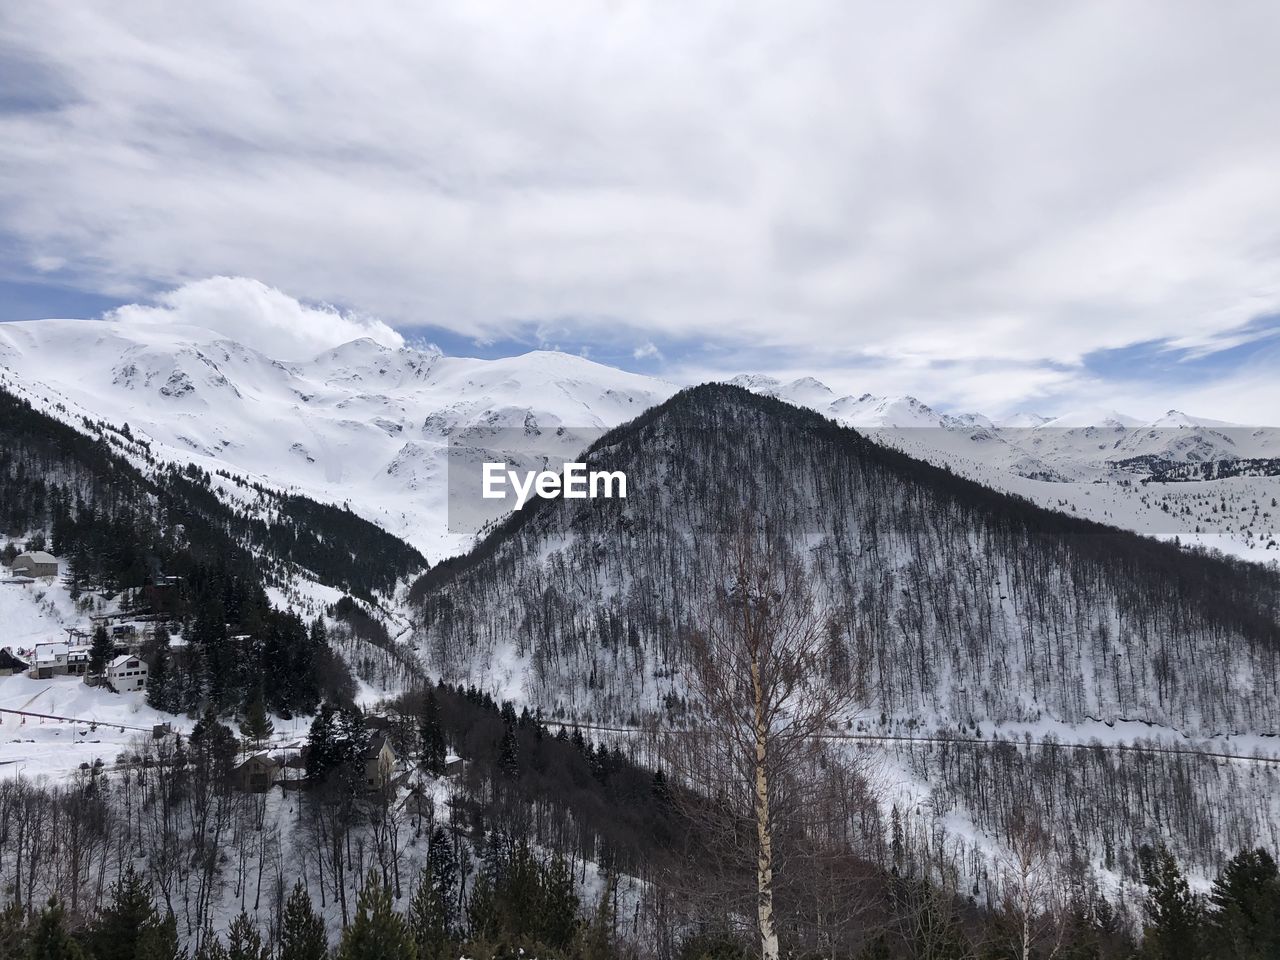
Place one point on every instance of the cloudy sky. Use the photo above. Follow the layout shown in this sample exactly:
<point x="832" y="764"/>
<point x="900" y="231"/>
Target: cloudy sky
<point x="994" y="206"/>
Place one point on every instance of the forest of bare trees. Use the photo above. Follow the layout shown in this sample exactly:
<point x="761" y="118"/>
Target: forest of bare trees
<point x="962" y="603"/>
<point x="553" y="845"/>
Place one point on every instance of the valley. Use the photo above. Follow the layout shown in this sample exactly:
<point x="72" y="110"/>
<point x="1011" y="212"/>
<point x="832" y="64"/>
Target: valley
<point x="1013" y="641"/>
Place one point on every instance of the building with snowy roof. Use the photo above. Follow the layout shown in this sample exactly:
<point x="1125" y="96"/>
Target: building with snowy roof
<point x="35" y="564"/>
<point x="49" y="660"/>
<point x="127" y="673"/>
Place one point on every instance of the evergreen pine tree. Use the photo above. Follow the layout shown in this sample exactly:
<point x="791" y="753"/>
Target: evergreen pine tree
<point x="213" y="745"/>
<point x="129" y="927"/>
<point x="428" y="919"/>
<point x="244" y="942"/>
<point x="159" y="941"/>
<point x="509" y="755"/>
<point x="433" y="912"/>
<point x="211" y="948"/>
<point x="322" y="746"/>
<point x="1173" y="913"/>
<point x="442" y="861"/>
<point x="559" y="914"/>
<point x="431" y="735"/>
<point x="350" y="739"/>
<point x="482" y="909"/>
<point x="256" y="727"/>
<point x="13" y="930"/>
<point x="217" y="659"/>
<point x="519" y="892"/>
<point x="302" y="935"/>
<point x="100" y="651"/>
<point x="49" y="938"/>
<point x="377" y="932"/>
<point x="159" y="695"/>
<point x="1246" y="905"/>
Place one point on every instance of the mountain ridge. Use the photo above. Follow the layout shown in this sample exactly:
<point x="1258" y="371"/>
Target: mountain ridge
<point x="371" y="426"/>
<point x="857" y="506"/>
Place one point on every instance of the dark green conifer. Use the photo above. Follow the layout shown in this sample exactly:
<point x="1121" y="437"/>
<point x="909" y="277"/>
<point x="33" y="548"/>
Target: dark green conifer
<point x="49" y="938"/>
<point x="1245" y="923"/>
<point x="377" y="932"/>
<point x="244" y="942"/>
<point x="1173" y="913"/>
<point x="302" y="934"/>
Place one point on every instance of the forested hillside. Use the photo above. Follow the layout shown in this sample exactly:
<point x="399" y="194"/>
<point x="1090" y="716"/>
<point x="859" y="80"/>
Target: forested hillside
<point x="955" y="611"/>
<point x="956" y="601"/>
<point x="164" y="540"/>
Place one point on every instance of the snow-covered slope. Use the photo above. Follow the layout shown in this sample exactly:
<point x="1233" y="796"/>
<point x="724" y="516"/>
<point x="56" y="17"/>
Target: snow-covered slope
<point x="362" y="423"/>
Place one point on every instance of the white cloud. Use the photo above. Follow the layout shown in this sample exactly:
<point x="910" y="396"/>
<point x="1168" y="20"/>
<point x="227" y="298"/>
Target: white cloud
<point x="646" y="351"/>
<point x="258" y="316"/>
<point x="1007" y="186"/>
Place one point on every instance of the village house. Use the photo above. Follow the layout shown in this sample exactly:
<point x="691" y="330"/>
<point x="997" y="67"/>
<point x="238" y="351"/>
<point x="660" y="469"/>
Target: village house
<point x="257" y="774"/>
<point x="49" y="660"/>
<point x="9" y="664"/>
<point x="35" y="564"/>
<point x="78" y="660"/>
<point x="419" y="804"/>
<point x="127" y="673"/>
<point x="379" y="762"/>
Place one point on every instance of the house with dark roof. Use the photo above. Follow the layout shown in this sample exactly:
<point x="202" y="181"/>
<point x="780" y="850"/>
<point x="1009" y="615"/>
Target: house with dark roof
<point x="379" y="762"/>
<point x="9" y="664"/>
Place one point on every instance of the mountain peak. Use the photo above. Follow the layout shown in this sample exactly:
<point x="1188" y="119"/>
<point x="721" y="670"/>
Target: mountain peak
<point x="1097" y="418"/>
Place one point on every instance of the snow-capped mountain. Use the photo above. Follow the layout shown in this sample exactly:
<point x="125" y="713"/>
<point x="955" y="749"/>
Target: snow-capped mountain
<point x="1079" y="444"/>
<point x="373" y="426"/>
<point x="363" y="423"/>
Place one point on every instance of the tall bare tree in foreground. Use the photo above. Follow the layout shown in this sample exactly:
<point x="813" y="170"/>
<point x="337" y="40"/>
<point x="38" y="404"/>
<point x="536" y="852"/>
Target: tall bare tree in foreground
<point x="768" y="684"/>
<point x="1033" y="892"/>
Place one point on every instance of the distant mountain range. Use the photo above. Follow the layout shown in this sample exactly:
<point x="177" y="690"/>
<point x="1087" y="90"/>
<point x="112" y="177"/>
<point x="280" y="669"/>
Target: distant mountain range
<point x="1078" y="445"/>
<point x="371" y="426"/>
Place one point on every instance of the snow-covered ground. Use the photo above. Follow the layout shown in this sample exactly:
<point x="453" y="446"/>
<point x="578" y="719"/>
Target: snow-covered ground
<point x="32" y="613"/>
<point x="105" y="725"/>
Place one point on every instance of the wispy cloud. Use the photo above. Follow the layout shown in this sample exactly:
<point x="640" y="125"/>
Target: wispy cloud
<point x="646" y="351"/>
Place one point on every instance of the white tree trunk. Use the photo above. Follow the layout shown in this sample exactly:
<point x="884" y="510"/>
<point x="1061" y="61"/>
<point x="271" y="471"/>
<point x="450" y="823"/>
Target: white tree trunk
<point x="764" y="830"/>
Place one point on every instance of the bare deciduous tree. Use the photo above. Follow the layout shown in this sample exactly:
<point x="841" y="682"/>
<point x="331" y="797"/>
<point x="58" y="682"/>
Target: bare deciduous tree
<point x="762" y="678"/>
<point x="1033" y="893"/>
